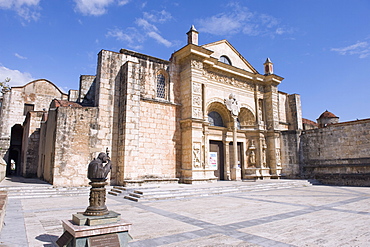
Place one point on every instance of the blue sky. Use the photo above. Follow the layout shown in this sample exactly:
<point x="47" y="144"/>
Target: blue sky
<point x="321" y="48"/>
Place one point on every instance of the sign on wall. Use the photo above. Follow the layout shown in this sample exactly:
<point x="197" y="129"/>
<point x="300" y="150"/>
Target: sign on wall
<point x="213" y="160"/>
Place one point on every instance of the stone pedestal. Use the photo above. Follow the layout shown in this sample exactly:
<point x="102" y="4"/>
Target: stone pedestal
<point x="251" y="173"/>
<point x="236" y="174"/>
<point x="97" y="205"/>
<point x="96" y="227"/>
<point x="81" y="219"/>
<point x="107" y="235"/>
<point x="278" y="173"/>
<point x="265" y="173"/>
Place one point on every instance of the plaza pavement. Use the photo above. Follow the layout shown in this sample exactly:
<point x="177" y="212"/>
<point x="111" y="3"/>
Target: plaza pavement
<point x="304" y="216"/>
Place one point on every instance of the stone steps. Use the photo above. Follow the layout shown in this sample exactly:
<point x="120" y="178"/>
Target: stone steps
<point x="185" y="191"/>
<point x="44" y="191"/>
<point x="119" y="190"/>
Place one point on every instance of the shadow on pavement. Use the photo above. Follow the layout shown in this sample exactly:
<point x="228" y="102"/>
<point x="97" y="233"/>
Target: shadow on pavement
<point x="22" y="180"/>
<point x="51" y="239"/>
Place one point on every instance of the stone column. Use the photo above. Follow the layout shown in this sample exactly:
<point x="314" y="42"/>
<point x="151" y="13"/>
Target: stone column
<point x="273" y="141"/>
<point x="226" y="161"/>
<point x="235" y="170"/>
<point x="205" y="146"/>
<point x="234" y="108"/>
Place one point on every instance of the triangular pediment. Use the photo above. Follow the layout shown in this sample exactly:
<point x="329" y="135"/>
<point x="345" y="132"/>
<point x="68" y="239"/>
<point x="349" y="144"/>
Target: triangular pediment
<point x="224" y="48"/>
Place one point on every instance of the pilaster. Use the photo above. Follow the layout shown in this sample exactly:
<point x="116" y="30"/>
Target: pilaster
<point x="227" y="170"/>
<point x="128" y="124"/>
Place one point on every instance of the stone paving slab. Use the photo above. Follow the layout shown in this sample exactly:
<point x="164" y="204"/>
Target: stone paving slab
<point x="305" y="216"/>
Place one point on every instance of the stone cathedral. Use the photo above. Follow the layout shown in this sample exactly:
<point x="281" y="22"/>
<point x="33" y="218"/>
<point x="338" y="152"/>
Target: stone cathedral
<point x="204" y="115"/>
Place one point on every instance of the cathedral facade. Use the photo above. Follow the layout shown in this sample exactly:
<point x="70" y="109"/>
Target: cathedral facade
<point x="204" y="115"/>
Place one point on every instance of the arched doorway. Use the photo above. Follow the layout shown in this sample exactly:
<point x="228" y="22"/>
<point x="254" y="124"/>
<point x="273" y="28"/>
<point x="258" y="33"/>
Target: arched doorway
<point x="14" y="160"/>
<point x="218" y="119"/>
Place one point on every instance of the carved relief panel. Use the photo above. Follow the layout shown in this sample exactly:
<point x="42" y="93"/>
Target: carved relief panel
<point x="228" y="80"/>
<point x="197" y="100"/>
<point x="278" y="156"/>
<point x="197" y="160"/>
<point x="251" y="154"/>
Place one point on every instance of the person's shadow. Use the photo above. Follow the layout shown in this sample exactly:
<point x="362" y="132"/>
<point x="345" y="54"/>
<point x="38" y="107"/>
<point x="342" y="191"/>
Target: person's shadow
<point x="51" y="239"/>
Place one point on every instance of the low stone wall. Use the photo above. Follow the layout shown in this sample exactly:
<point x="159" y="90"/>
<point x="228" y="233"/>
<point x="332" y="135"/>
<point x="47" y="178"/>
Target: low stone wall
<point x="3" y="202"/>
<point x="290" y="154"/>
<point x="3" y="166"/>
<point x="338" y="154"/>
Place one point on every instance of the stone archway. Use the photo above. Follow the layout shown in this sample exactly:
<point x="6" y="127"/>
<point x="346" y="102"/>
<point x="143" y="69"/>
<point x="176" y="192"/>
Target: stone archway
<point x="246" y="118"/>
<point x="220" y="109"/>
<point x="15" y="151"/>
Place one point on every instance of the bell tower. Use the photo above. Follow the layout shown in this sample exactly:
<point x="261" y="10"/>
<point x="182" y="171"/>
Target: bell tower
<point x="269" y="67"/>
<point x="192" y="36"/>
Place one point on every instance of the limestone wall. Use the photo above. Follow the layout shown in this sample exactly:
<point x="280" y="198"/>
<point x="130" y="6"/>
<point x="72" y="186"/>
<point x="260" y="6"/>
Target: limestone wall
<point x="73" y="95"/>
<point x="159" y="139"/>
<point x="283" y="107"/>
<point x="30" y="144"/>
<point x="3" y="166"/>
<point x="123" y="81"/>
<point x="290" y="157"/>
<point x="70" y="144"/>
<point x="47" y="147"/>
<point x="295" y="112"/>
<point x="38" y="93"/>
<point x="75" y="141"/>
<point x="86" y="93"/>
<point x="338" y="154"/>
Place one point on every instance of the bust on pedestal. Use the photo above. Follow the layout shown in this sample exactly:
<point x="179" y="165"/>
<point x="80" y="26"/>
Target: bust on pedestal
<point x="97" y="226"/>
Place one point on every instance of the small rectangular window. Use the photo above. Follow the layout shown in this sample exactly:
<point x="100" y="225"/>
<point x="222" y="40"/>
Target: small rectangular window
<point x="27" y="108"/>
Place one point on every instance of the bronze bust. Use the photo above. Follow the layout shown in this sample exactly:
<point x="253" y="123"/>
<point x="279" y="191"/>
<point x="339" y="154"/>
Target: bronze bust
<point x="96" y="169"/>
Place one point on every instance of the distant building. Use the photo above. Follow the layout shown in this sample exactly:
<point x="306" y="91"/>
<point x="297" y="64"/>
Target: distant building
<point x="327" y="118"/>
<point x="204" y="115"/>
<point x="30" y="100"/>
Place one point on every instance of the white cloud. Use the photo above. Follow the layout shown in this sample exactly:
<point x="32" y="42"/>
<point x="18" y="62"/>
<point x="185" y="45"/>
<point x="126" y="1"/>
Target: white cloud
<point x="146" y="25"/>
<point x="159" y="39"/>
<point x="92" y="7"/>
<point x="19" y="56"/>
<point x="130" y="36"/>
<point x="136" y="36"/>
<point x="96" y="7"/>
<point x="158" y="16"/>
<point x="268" y="21"/>
<point x="239" y="19"/>
<point x="152" y="31"/>
<point x="361" y="48"/>
<point x="283" y="30"/>
<point x="123" y="2"/>
<point x="17" y="78"/>
<point x="27" y="9"/>
<point x="225" y="23"/>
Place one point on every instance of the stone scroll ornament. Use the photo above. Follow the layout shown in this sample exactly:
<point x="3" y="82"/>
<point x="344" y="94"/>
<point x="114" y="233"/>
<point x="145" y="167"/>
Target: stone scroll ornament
<point x="232" y="105"/>
<point x="97" y="173"/>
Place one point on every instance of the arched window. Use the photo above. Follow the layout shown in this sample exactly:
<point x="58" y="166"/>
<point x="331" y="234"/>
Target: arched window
<point x="215" y="119"/>
<point x="225" y="59"/>
<point x="161" y="86"/>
